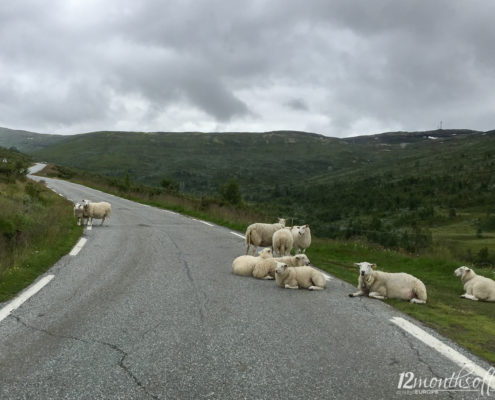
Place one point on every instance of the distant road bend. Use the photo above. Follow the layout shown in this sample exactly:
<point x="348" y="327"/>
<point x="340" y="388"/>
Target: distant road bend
<point x="148" y="309"/>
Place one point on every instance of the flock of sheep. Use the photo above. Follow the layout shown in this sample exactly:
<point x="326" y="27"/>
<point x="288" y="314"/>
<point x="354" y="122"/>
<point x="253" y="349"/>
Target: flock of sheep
<point x="294" y="272"/>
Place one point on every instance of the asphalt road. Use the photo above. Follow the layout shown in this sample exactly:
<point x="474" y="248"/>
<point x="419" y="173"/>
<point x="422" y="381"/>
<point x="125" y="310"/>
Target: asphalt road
<point x="149" y="309"/>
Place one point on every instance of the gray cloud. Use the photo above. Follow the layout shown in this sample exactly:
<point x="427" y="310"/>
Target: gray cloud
<point x="343" y="67"/>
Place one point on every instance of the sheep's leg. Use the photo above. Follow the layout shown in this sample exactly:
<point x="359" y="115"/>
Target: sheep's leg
<point x="287" y="286"/>
<point x="376" y="295"/>
<point x="103" y="220"/>
<point x="79" y="222"/>
<point x="268" y="277"/>
<point x="469" y="296"/>
<point x="417" y="301"/>
<point x="360" y="293"/>
<point x="315" y="288"/>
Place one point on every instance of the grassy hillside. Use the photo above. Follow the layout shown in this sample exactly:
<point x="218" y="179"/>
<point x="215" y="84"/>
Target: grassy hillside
<point x="404" y="190"/>
<point x="37" y="227"/>
<point x="25" y="141"/>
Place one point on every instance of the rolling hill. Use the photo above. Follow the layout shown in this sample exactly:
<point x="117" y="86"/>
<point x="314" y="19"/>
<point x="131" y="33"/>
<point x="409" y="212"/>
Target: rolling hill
<point x="392" y="188"/>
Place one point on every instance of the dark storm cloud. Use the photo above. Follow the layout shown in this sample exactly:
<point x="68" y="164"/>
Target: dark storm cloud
<point x="334" y="67"/>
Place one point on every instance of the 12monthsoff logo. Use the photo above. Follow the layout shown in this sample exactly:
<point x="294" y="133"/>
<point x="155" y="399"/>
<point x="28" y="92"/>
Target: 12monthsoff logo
<point x="462" y="381"/>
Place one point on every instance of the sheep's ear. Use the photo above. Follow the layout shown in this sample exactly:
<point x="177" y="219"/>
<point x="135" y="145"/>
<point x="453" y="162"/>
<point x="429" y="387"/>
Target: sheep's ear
<point x="356" y="265"/>
<point x="307" y="226"/>
<point x="373" y="266"/>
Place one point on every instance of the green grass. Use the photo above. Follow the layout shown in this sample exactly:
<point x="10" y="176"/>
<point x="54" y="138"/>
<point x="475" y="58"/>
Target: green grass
<point x="469" y="323"/>
<point x="37" y="228"/>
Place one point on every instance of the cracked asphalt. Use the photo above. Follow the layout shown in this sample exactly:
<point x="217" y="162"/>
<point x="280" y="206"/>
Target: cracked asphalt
<point x="149" y="309"/>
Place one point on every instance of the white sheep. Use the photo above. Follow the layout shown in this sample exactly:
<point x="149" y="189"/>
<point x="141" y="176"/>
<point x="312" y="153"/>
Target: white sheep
<point x="244" y="265"/>
<point x="477" y="287"/>
<point x="260" y="234"/>
<point x="79" y="213"/>
<point x="282" y="242"/>
<point x="382" y="285"/>
<point x="298" y="260"/>
<point x="265" y="269"/>
<point x="301" y="236"/>
<point x="99" y="210"/>
<point x="299" y="277"/>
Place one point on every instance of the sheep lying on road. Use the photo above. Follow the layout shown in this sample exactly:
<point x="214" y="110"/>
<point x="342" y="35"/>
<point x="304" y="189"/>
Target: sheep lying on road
<point x="299" y="277"/>
<point x="244" y="265"/>
<point x="301" y="236"/>
<point x="282" y="242"/>
<point x="298" y="260"/>
<point x="99" y="210"/>
<point x="79" y="213"/>
<point x="265" y="269"/>
<point x="477" y="287"/>
<point x="382" y="285"/>
<point x="259" y="234"/>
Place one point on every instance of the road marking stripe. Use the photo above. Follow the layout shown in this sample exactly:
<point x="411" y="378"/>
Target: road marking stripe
<point x="445" y="350"/>
<point x="77" y="248"/>
<point x="206" y="223"/>
<point x="32" y="290"/>
<point x="170" y="212"/>
<point x="237" y="234"/>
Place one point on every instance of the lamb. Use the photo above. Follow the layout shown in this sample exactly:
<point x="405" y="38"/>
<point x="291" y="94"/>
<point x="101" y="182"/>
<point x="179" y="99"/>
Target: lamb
<point x="298" y="260"/>
<point x="382" y="285"/>
<point x="79" y="213"/>
<point x="282" y="242"/>
<point x="99" y="210"/>
<point x="259" y="234"/>
<point x="244" y="265"/>
<point x="301" y="236"/>
<point x="477" y="287"/>
<point x="294" y="278"/>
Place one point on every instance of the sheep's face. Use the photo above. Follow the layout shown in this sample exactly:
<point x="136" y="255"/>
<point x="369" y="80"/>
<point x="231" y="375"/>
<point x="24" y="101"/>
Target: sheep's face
<point x="303" y="229"/>
<point x="266" y="253"/>
<point x="302" y="259"/>
<point x="281" y="268"/>
<point x="365" y="268"/>
<point x="281" y="221"/>
<point x="461" y="271"/>
<point x="78" y="206"/>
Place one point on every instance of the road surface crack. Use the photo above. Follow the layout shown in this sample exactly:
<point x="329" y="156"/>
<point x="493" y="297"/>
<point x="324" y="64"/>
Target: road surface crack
<point x="114" y="347"/>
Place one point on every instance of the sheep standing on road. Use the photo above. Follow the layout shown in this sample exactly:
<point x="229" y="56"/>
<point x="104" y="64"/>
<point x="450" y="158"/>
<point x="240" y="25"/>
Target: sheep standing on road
<point x="259" y="234"/>
<point x="244" y="265"/>
<point x="282" y="242"/>
<point x="299" y="277"/>
<point x="477" y="287"/>
<point x="301" y="236"/>
<point x="382" y="285"/>
<point x="99" y="210"/>
<point x="79" y="213"/>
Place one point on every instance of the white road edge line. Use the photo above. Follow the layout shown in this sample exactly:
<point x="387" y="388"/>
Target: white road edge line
<point x="30" y="291"/>
<point x="446" y="351"/>
<point x="237" y="234"/>
<point x="77" y="248"/>
<point x="206" y="223"/>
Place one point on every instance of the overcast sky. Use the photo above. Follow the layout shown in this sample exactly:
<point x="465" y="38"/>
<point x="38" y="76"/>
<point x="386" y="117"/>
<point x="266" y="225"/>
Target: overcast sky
<point x="334" y="67"/>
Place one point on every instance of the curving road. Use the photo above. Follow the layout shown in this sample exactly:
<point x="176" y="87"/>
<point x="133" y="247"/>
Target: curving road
<point x="149" y="309"/>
